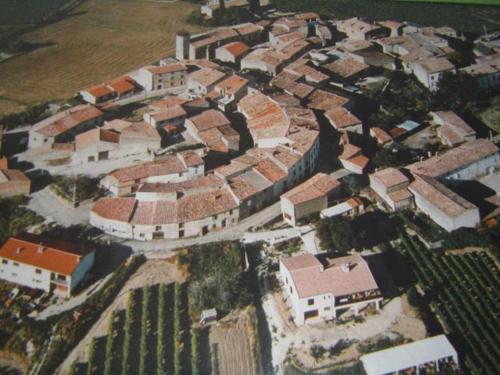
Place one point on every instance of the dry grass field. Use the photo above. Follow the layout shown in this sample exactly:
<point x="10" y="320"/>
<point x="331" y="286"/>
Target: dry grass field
<point x="101" y="39"/>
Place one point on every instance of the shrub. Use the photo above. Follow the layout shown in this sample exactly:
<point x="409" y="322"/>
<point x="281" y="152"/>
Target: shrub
<point x="317" y="351"/>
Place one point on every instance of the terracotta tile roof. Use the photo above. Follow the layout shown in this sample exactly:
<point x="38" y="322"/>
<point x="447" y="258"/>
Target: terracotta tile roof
<point x="206" y="76"/>
<point x="301" y="262"/>
<point x="320" y="185"/>
<point x="185" y="209"/>
<point x="63" y="121"/>
<point x="191" y="158"/>
<point x="168" y="102"/>
<point x="300" y="90"/>
<point x="169" y="68"/>
<point x="285" y="80"/>
<point x="310" y="73"/>
<point x="94" y="136"/>
<point x="351" y="45"/>
<point x="436" y="64"/>
<point x="13" y="175"/>
<point x="286" y="100"/>
<point x="140" y="130"/>
<point x="350" y="151"/>
<point x="452" y="120"/>
<point x="55" y="256"/>
<point x="341" y="118"/>
<point x="169" y="113"/>
<point x="209" y="119"/>
<point x="346" y="68"/>
<point x="360" y="160"/>
<point x="440" y="196"/>
<point x="285" y="156"/>
<point x="400" y="195"/>
<point x="122" y="85"/>
<point x="4" y="163"/>
<point x="236" y="49"/>
<point x="390" y="177"/>
<point x="324" y="100"/>
<point x="380" y="135"/>
<point x="454" y="159"/>
<point x="270" y="170"/>
<point x="169" y="165"/>
<point x="232" y="169"/>
<point x="312" y="280"/>
<point x="202" y="183"/>
<point x="390" y="24"/>
<point x="232" y="84"/>
<point x="119" y="209"/>
<point x="117" y="125"/>
<point x="248" y="28"/>
<point x="99" y="91"/>
<point x="241" y="188"/>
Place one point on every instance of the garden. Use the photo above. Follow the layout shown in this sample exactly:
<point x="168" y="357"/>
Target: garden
<point x="464" y="293"/>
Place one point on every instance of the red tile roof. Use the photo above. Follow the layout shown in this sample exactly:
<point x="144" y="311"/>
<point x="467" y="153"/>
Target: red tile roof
<point x="341" y="118"/>
<point x="99" y="91"/>
<point x="320" y="185"/>
<point x="236" y="49"/>
<point x="312" y="279"/>
<point x="63" y="121"/>
<point x="209" y="119"/>
<point x="55" y="256"/>
<point x="169" y="68"/>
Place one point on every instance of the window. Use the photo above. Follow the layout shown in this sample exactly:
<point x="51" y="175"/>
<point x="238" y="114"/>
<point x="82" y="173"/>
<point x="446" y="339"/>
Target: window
<point x="310" y="301"/>
<point x="158" y="228"/>
<point x="141" y="235"/>
<point x="5" y="261"/>
<point x="327" y="308"/>
<point x="38" y="271"/>
<point x="16" y="264"/>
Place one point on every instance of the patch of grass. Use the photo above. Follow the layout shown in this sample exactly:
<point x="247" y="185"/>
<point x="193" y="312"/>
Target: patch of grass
<point x="99" y="40"/>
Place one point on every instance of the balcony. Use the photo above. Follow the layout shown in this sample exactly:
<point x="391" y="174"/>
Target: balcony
<point x="358" y="297"/>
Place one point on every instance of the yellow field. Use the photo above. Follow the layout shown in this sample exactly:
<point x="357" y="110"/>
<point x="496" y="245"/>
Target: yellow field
<point x="102" y="39"/>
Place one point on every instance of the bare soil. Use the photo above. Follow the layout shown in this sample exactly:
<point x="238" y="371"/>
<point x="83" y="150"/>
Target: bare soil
<point x="234" y="337"/>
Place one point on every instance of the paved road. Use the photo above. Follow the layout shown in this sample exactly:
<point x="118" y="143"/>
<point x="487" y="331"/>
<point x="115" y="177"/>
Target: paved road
<point x="48" y="206"/>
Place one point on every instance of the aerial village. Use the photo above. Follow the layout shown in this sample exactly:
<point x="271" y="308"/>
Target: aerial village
<point x="255" y="132"/>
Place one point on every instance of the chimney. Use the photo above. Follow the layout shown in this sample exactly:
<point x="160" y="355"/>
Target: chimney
<point x="321" y="268"/>
<point x="18" y="250"/>
<point x="40" y="249"/>
<point x="346" y="267"/>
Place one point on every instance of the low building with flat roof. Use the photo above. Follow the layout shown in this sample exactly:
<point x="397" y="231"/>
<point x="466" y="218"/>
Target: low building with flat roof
<point x="430" y="353"/>
<point x="322" y="289"/>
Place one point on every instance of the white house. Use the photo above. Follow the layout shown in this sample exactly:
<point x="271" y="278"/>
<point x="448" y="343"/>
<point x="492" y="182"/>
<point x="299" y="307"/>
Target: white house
<point x="39" y="263"/>
<point x="309" y="197"/>
<point x="162" y="77"/>
<point x="322" y="289"/>
<point x="392" y="187"/>
<point x="429" y="71"/>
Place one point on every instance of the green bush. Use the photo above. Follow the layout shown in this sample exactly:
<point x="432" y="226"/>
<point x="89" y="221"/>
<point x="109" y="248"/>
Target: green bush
<point x="15" y="217"/>
<point x="217" y="279"/>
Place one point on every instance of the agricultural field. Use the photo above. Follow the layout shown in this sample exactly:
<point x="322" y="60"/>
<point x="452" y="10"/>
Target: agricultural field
<point x="469" y="18"/>
<point x="100" y="39"/>
<point x="154" y="334"/>
<point x="464" y="293"/>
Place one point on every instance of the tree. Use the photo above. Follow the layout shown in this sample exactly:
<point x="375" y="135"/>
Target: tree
<point x="394" y="156"/>
<point x="336" y="234"/>
<point x="354" y="183"/>
<point x="458" y="92"/>
<point x="317" y="351"/>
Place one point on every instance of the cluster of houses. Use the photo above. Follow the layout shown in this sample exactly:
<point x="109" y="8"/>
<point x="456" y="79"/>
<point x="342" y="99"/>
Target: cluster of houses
<point x="211" y="89"/>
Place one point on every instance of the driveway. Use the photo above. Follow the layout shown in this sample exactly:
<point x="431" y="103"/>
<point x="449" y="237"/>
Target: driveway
<point x="52" y="209"/>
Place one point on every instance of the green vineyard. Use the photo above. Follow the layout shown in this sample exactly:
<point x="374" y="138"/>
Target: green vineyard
<point x="464" y="293"/>
<point x="153" y="335"/>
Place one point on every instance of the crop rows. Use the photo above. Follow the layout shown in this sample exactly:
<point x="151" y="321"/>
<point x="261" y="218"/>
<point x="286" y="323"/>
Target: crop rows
<point x="153" y="335"/>
<point x="464" y="294"/>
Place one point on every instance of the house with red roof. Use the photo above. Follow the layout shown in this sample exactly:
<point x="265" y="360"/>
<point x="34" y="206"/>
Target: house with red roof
<point x="319" y="289"/>
<point x="231" y="52"/>
<point x="309" y="197"/>
<point x="40" y="263"/>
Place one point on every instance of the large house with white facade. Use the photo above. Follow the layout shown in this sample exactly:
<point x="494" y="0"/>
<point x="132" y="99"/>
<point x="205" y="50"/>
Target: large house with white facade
<point x="39" y="263"/>
<point x="323" y="288"/>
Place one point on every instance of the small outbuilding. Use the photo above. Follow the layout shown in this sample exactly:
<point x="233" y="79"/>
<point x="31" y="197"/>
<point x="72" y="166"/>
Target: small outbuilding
<point x="208" y="316"/>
